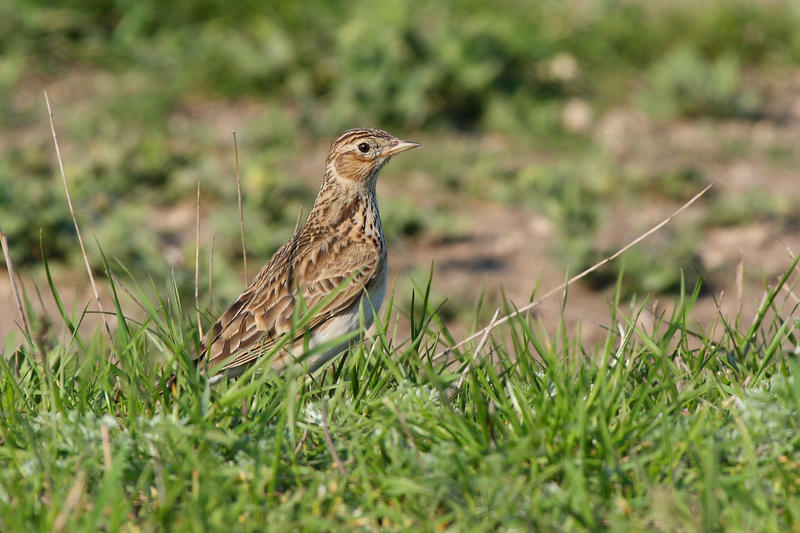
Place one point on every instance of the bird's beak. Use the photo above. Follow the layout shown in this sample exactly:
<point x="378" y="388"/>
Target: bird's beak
<point x="401" y="146"/>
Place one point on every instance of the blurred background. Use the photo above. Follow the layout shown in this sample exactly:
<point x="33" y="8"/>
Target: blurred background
<point x="553" y="132"/>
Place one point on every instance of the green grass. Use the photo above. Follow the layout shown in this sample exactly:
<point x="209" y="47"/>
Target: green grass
<point x="667" y="427"/>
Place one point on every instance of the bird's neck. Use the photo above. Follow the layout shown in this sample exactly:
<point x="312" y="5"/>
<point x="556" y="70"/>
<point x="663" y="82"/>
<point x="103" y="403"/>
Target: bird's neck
<point x="343" y="201"/>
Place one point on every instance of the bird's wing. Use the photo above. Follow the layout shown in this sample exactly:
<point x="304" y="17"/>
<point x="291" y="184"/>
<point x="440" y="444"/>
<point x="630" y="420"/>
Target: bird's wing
<point x="265" y="310"/>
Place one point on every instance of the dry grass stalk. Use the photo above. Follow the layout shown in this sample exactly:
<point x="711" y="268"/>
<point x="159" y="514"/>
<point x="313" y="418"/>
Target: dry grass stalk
<point x="127" y="291"/>
<point x="241" y="212"/>
<point x="108" y="461"/>
<point x="299" y="217"/>
<point x="575" y="278"/>
<point x="329" y="439"/>
<point x="197" y="263"/>
<point x="792" y="255"/>
<point x="14" y="287"/>
<point x="211" y="275"/>
<point x="301" y="441"/>
<point x="71" y="502"/>
<point x="480" y="346"/>
<point x="406" y="430"/>
<point x="72" y="213"/>
<point x="740" y="278"/>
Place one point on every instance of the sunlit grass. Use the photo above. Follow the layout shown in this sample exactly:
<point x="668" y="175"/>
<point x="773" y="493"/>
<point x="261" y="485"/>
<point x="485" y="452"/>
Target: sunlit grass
<point x="661" y="427"/>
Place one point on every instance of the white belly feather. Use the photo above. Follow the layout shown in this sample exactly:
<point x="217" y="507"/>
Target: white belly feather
<point x="347" y="322"/>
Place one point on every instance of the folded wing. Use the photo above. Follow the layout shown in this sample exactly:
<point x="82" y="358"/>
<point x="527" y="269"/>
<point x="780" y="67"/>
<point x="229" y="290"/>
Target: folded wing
<point x="303" y="266"/>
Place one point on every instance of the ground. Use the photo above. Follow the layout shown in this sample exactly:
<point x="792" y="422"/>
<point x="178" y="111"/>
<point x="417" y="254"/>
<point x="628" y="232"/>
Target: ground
<point x="476" y="241"/>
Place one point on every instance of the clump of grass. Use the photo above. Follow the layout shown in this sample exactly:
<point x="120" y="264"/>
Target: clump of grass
<point x="658" y="427"/>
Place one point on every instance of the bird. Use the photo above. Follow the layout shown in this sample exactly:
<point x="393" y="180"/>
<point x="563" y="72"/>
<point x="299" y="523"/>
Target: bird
<point x="336" y="264"/>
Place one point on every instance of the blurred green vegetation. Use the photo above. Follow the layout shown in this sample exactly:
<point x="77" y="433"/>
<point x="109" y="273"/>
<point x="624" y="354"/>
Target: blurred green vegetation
<point x="402" y="64"/>
<point x="684" y="83"/>
<point x="137" y="88"/>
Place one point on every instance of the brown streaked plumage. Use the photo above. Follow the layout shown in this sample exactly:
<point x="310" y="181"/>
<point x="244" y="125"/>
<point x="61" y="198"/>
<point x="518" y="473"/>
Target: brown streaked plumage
<point x="339" y="254"/>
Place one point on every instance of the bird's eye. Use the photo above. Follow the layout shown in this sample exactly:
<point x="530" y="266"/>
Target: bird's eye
<point x="363" y="147"/>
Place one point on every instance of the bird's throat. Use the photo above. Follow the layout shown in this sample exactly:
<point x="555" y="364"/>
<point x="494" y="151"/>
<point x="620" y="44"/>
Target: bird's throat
<point x="343" y="202"/>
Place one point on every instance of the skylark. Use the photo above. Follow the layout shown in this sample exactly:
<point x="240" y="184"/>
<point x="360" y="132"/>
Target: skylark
<point x="339" y="255"/>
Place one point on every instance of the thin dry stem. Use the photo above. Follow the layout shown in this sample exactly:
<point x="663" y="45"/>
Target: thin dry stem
<point x="573" y="279"/>
<point x="127" y="290"/>
<point x="72" y="213"/>
<point x="74" y="495"/>
<point x="211" y="275"/>
<point x="407" y="430"/>
<point x="740" y="278"/>
<point x="39" y="297"/>
<point x="329" y="439"/>
<point x="788" y="250"/>
<point x="299" y="217"/>
<point x="14" y="287"/>
<point x="478" y="349"/>
<point x="718" y="315"/>
<point x="108" y="462"/>
<point x="791" y="254"/>
<point x="301" y="441"/>
<point x="241" y="212"/>
<point x="485" y="337"/>
<point x="197" y="263"/>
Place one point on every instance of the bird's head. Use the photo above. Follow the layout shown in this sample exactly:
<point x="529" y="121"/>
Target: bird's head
<point x="357" y="155"/>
